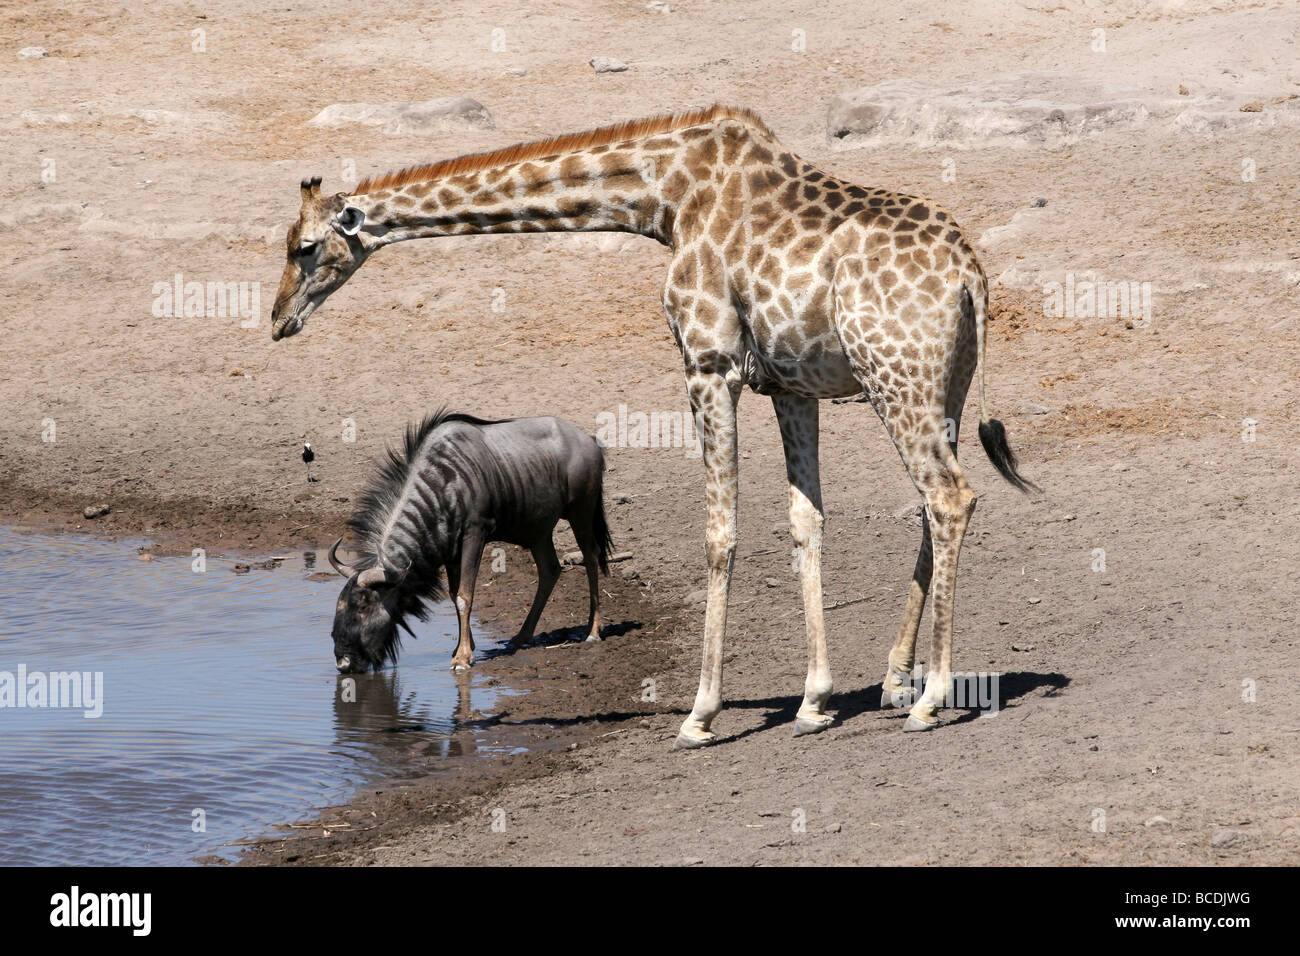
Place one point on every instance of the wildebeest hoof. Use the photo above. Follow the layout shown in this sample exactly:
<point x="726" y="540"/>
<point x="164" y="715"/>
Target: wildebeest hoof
<point x="916" y="723"/>
<point x="685" y="742"/>
<point x="811" y="725"/>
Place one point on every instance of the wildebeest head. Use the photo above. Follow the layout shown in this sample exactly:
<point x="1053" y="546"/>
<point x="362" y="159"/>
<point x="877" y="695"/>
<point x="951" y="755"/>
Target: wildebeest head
<point x="370" y="608"/>
<point x="324" y="248"/>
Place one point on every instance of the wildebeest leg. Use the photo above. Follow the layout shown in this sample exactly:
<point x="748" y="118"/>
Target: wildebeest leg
<point x="584" y="532"/>
<point x="548" y="572"/>
<point x="462" y="590"/>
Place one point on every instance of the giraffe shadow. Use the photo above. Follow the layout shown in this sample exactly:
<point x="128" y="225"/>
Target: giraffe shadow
<point x="849" y="705"/>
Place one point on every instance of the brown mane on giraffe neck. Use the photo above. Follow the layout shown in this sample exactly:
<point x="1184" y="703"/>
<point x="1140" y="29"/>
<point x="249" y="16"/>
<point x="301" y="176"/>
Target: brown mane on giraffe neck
<point x="619" y="132"/>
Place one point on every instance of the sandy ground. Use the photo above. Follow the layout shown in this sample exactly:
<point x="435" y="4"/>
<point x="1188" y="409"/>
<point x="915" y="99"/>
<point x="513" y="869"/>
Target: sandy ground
<point x="1125" y="690"/>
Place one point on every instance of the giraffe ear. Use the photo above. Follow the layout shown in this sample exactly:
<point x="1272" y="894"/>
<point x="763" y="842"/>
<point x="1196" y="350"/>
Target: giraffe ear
<point x="350" y="220"/>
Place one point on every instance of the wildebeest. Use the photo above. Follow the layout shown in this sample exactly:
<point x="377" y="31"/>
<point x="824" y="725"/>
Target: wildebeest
<point x="459" y="483"/>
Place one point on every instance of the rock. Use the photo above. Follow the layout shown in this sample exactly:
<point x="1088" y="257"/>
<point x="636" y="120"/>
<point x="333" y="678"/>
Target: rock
<point x="1223" y="839"/>
<point x="1069" y="517"/>
<point x="696" y="597"/>
<point x="622" y="499"/>
<point x="1034" y="108"/>
<point x="1034" y="409"/>
<point x="32" y="53"/>
<point x="834" y="828"/>
<point x="630" y="574"/>
<point x="658" y="6"/>
<point x="1157" y="822"/>
<point x="516" y="71"/>
<point x="407" y="119"/>
<point x="645" y="724"/>
<point x="94" y="511"/>
<point x="607" y="64"/>
<point x="1039" y="203"/>
<point x="1035" y="600"/>
<point x="772" y="582"/>
<point x="241" y="569"/>
<point x="572" y="558"/>
<point x="1023" y="648"/>
<point x="693" y="861"/>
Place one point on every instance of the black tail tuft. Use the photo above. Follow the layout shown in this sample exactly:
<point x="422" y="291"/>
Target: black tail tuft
<point x="994" y="439"/>
<point x="601" y="528"/>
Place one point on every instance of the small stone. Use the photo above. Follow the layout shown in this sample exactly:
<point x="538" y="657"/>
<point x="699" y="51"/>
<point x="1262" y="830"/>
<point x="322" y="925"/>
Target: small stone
<point x="1069" y="517"/>
<point x="236" y="373"/>
<point x="607" y="64"/>
<point x="1094" y="748"/>
<point x="693" y="861"/>
<point x="32" y="53"/>
<point x="630" y="574"/>
<point x="95" y="511"/>
<point x="572" y="558"/>
<point x="658" y="6"/>
<point x="1223" y="839"/>
<point x="1157" y="822"/>
<point x="772" y="582"/>
<point x="696" y="597"/>
<point x="834" y="828"/>
<point x="1035" y="409"/>
<point x="571" y="747"/>
<point x="645" y="724"/>
<point x="1183" y="91"/>
<point x="622" y="499"/>
<point x="1023" y="648"/>
<point x="241" y="569"/>
<point x="1120" y="467"/>
<point x="144" y="557"/>
<point x="516" y="71"/>
<point x="1257" y="106"/>
<point x="1035" y="600"/>
<point x="1040" y="202"/>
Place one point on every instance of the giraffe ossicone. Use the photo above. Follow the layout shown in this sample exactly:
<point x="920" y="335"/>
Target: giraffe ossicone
<point x="783" y="278"/>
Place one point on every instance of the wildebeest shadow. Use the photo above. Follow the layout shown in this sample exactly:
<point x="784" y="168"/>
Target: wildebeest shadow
<point x="851" y="704"/>
<point x="561" y="636"/>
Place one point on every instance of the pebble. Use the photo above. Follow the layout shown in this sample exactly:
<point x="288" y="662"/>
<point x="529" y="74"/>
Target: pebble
<point x="241" y="569"/>
<point x="1035" y="409"/>
<point x="834" y="828"/>
<point x="630" y="574"/>
<point x="1023" y="648"/>
<point x="607" y="64"/>
<point x="1157" y="822"/>
<point x="1222" y="839"/>
<point x="1069" y="517"/>
<point x="772" y="582"/>
<point x="1040" y="202"/>
<point x="696" y="597"/>
<point x="622" y="499"/>
<point x="32" y="53"/>
<point x="1035" y="600"/>
<point x="95" y="511"/>
<point x="572" y="557"/>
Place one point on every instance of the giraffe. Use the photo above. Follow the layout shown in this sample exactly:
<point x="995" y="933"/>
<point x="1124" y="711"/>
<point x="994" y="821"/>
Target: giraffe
<point x="782" y="278"/>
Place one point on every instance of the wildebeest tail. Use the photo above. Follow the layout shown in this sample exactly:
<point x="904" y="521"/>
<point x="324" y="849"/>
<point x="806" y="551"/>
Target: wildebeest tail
<point x="601" y="529"/>
<point x="993" y="436"/>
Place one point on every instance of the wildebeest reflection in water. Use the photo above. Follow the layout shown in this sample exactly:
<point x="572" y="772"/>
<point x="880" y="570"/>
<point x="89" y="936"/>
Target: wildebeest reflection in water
<point x="376" y="705"/>
<point x="458" y="484"/>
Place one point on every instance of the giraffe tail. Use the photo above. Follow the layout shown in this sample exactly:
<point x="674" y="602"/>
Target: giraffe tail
<point x="993" y="436"/>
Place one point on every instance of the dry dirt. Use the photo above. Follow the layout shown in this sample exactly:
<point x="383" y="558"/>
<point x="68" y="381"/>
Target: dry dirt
<point x="1162" y="686"/>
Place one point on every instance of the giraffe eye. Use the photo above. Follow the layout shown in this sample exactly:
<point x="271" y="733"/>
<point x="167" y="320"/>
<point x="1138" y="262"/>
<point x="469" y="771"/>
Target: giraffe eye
<point x="306" y="249"/>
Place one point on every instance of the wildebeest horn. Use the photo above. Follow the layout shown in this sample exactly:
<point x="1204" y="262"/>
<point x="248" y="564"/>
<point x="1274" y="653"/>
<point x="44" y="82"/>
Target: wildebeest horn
<point x="339" y="566"/>
<point x="381" y="576"/>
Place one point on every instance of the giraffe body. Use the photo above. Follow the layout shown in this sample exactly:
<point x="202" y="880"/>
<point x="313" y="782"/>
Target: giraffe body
<point x="783" y="279"/>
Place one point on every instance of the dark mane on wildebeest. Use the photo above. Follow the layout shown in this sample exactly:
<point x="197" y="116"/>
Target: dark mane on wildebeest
<point x="456" y="482"/>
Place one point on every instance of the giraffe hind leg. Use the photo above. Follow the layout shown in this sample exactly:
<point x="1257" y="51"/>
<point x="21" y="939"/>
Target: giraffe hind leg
<point x="919" y="400"/>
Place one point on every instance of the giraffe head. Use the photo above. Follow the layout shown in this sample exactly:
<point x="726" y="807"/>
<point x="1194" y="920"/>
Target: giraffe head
<point x="324" y="249"/>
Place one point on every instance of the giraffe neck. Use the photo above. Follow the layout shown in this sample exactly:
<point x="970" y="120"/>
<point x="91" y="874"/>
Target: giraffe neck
<point x="601" y="189"/>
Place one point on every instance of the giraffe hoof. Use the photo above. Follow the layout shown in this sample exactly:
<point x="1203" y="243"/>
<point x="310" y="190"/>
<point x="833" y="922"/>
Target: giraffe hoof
<point x="685" y="742"/>
<point x="594" y="639"/>
<point x="899" y="699"/>
<point x="916" y="723"/>
<point x="808" y="725"/>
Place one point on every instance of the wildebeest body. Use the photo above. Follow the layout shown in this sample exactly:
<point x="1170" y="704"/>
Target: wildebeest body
<point x="458" y="484"/>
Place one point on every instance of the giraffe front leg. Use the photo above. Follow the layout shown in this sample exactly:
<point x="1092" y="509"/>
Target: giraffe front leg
<point x="713" y="399"/>
<point x="799" y="426"/>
